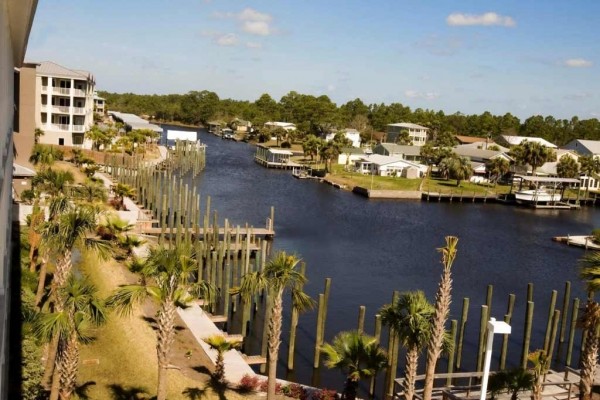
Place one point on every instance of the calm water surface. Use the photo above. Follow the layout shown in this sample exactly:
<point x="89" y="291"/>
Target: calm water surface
<point x="370" y="248"/>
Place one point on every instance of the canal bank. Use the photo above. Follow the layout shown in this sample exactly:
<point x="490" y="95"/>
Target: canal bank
<point x="370" y="249"/>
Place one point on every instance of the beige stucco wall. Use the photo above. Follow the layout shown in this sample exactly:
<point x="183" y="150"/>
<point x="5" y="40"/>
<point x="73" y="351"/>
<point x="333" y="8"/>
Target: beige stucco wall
<point x="28" y="111"/>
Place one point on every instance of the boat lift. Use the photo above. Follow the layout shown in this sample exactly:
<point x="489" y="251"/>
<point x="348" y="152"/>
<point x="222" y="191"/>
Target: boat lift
<point x="552" y="185"/>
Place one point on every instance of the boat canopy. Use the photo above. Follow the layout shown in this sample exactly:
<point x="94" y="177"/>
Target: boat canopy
<point x="546" y="179"/>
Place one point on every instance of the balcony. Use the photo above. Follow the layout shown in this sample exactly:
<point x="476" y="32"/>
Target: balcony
<point x="78" y="110"/>
<point x="44" y="89"/>
<point x="79" y="128"/>
<point x="59" y="127"/>
<point x="79" y="93"/>
<point x="60" y="109"/>
<point x="63" y="91"/>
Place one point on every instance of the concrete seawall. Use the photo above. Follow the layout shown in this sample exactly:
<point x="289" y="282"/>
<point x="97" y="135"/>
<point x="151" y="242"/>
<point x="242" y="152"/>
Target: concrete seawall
<point x="388" y="194"/>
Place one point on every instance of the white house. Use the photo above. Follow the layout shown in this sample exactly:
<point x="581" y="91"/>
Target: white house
<point x="349" y="155"/>
<point x="584" y="147"/>
<point x="377" y="164"/>
<point x="351" y="134"/>
<point x="406" y="152"/>
<point x="517" y="140"/>
<point x="417" y="133"/>
<point x="288" y="126"/>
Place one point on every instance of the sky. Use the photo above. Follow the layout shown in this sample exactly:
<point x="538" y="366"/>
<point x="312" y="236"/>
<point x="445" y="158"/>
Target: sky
<point x="471" y="56"/>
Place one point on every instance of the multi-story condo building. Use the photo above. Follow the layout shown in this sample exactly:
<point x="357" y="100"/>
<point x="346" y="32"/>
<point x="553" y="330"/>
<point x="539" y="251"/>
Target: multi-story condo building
<point x="99" y="104"/>
<point x="16" y="17"/>
<point x="64" y="101"/>
<point x="416" y="133"/>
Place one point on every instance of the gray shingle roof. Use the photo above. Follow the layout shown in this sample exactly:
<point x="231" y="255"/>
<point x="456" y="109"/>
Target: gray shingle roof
<point x="53" y="69"/>
<point x="593" y="146"/>
<point x="393" y="148"/>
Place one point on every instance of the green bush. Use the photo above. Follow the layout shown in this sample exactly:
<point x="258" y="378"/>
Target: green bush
<point x="596" y="236"/>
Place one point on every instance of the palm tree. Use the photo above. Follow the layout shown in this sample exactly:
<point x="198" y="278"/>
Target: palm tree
<point x="357" y="355"/>
<point x="35" y="222"/>
<point x="443" y="299"/>
<point x="121" y="191"/>
<point x="540" y="362"/>
<point x="37" y="134"/>
<point x="460" y="169"/>
<point x="91" y="191"/>
<point x="533" y="154"/>
<point x="279" y="274"/>
<point x="221" y="345"/>
<point x="45" y="155"/>
<point x="567" y="167"/>
<point x="53" y="182"/>
<point x="128" y="243"/>
<point x="589" y="271"/>
<point x="590" y="165"/>
<point x="512" y="381"/>
<point x="80" y="310"/>
<point x="497" y="168"/>
<point x="410" y="318"/>
<point x="113" y="227"/>
<point x="168" y="279"/>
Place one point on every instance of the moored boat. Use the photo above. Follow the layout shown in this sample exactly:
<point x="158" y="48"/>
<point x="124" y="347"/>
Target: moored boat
<point x="540" y="195"/>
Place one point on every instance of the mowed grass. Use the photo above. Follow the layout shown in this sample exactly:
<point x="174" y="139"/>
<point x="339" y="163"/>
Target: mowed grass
<point x="121" y="363"/>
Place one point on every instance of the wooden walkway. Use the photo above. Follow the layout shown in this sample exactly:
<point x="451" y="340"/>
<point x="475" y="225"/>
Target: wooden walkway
<point x="460" y="197"/>
<point x="267" y="233"/>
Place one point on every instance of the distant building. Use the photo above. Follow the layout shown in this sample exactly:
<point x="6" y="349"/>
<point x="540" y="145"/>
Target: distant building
<point x="479" y="155"/>
<point x="288" y="126"/>
<point x="584" y="147"/>
<point x="376" y="164"/>
<point x="132" y="122"/>
<point x="510" y="141"/>
<point x="351" y="134"/>
<point x="416" y="133"/>
<point x="348" y="155"/>
<point x="61" y="100"/>
<point x="406" y="152"/>
<point x="99" y="104"/>
<point x="16" y="17"/>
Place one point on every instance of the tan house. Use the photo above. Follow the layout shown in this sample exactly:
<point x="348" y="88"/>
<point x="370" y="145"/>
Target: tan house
<point x="416" y="133"/>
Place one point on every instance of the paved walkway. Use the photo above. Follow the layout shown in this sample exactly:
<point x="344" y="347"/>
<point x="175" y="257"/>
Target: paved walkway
<point x="199" y="323"/>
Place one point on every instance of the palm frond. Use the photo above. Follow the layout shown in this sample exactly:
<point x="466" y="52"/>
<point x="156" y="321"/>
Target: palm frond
<point x="301" y="301"/>
<point x="126" y="297"/>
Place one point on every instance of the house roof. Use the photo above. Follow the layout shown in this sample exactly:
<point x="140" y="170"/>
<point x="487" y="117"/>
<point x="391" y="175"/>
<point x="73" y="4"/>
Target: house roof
<point x="401" y="149"/>
<point x="352" y="150"/>
<point x="546" y="179"/>
<point x="471" y="139"/>
<point x="408" y="125"/>
<point x="135" y="122"/>
<point x="378" y="159"/>
<point x="517" y="140"/>
<point x="280" y="124"/>
<point x="281" y="151"/>
<point x="21" y="171"/>
<point x="53" y="69"/>
<point x="593" y="146"/>
<point x="473" y="152"/>
<point x="482" y="145"/>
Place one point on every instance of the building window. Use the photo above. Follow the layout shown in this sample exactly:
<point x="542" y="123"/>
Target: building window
<point x="16" y="99"/>
<point x="61" y="142"/>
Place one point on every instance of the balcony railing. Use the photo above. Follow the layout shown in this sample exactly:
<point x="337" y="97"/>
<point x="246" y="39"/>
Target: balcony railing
<point x="78" y="92"/>
<point x="44" y="89"/>
<point x="60" y="90"/>
<point x="78" y="128"/>
<point x="60" y="127"/>
<point x="78" y="110"/>
<point x="60" y="109"/>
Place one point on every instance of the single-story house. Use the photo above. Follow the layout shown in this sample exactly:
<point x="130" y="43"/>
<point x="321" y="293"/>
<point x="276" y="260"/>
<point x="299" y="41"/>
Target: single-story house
<point x="549" y="168"/>
<point x="510" y="141"/>
<point x="462" y="139"/>
<point x="241" y="126"/>
<point x="351" y="134"/>
<point x="348" y="155"/>
<point x="406" y="152"/>
<point x="584" y="147"/>
<point x="377" y="164"/>
<point x="288" y="126"/>
<point x="479" y="155"/>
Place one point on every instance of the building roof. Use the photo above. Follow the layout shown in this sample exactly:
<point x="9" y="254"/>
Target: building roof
<point x="482" y="145"/>
<point x="53" y="69"/>
<point x="546" y="179"/>
<point x="593" y="146"/>
<point x="20" y="19"/>
<point x="135" y="122"/>
<point x="352" y="150"/>
<point x="281" y="151"/>
<point x="517" y="140"/>
<point x="472" y="139"/>
<point x="401" y="149"/>
<point x="472" y="152"/>
<point x="280" y="124"/>
<point x="21" y="171"/>
<point x="408" y="125"/>
<point x="378" y="159"/>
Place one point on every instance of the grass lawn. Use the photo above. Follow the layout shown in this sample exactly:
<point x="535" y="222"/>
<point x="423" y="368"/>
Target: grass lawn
<point x="446" y="186"/>
<point x="121" y="363"/>
<point x="67" y="166"/>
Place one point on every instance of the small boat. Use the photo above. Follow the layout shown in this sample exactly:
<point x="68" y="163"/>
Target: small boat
<point x="540" y="195"/>
<point x="227" y="134"/>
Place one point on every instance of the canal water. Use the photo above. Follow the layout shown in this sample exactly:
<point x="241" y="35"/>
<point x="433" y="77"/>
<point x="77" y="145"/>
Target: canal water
<point x="372" y="247"/>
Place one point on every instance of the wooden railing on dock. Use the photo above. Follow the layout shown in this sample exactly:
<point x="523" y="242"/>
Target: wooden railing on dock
<point x="460" y="196"/>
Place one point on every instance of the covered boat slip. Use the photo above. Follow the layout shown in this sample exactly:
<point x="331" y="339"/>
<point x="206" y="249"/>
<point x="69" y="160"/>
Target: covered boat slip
<point x="275" y="158"/>
<point x="543" y="191"/>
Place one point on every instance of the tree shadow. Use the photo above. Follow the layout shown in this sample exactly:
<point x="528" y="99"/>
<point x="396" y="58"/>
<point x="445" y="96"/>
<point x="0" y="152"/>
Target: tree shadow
<point x="82" y="390"/>
<point x="211" y="387"/>
<point x="120" y="392"/>
<point x="201" y="369"/>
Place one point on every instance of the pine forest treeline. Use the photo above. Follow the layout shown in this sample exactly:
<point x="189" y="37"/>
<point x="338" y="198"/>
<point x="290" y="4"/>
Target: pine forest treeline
<point x="314" y="115"/>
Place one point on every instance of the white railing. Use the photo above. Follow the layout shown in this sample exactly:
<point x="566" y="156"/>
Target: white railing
<point x="78" y="110"/>
<point x="60" y="127"/>
<point x="61" y="109"/>
<point x="78" y="92"/>
<point x="61" y="90"/>
<point x="44" y="89"/>
<point x="78" y="128"/>
<point x="44" y="107"/>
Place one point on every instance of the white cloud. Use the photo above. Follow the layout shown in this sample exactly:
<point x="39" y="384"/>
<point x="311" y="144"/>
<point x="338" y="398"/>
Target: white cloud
<point x="413" y="94"/>
<point x="228" y="39"/>
<point x="259" y="28"/>
<point x="250" y="21"/>
<point x="253" y="45"/>
<point x="487" y="19"/>
<point x="578" y="63"/>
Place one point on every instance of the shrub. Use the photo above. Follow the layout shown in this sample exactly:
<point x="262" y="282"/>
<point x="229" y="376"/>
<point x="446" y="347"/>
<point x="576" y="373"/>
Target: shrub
<point x="324" y="394"/>
<point x="286" y="145"/>
<point x="295" y="391"/>
<point x="248" y="383"/>
<point x="265" y="384"/>
<point x="596" y="236"/>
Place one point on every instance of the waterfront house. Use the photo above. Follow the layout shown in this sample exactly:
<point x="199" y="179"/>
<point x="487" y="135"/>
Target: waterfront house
<point x="287" y="126"/>
<point x="349" y="155"/>
<point x="377" y="164"/>
<point x="133" y="122"/>
<point x="584" y="147"/>
<point x="416" y="133"/>
<point x="60" y="100"/>
<point x="351" y="134"/>
<point x="510" y="141"/>
<point x="406" y="152"/>
<point x="215" y="127"/>
<point x="479" y="155"/>
<point x="241" y="126"/>
<point x="271" y="157"/>
<point x="462" y="139"/>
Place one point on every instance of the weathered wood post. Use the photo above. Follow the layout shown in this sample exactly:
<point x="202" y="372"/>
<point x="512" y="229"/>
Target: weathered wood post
<point x="319" y="331"/>
<point x="563" y="319"/>
<point x="553" y="332"/>
<point x="293" y="326"/>
<point x="574" y="312"/>
<point x="551" y="309"/>
<point x="527" y="333"/>
<point x="507" y="319"/>
<point x="361" y="319"/>
<point x="482" y="330"/>
<point x="461" y="332"/>
<point x="453" y="329"/>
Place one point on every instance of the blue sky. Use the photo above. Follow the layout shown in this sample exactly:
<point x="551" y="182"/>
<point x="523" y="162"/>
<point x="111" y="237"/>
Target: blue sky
<point x="523" y="57"/>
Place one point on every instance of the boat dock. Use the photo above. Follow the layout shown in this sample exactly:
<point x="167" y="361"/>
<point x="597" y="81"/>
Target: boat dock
<point x="584" y="241"/>
<point x="459" y="196"/>
<point x="267" y="233"/>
